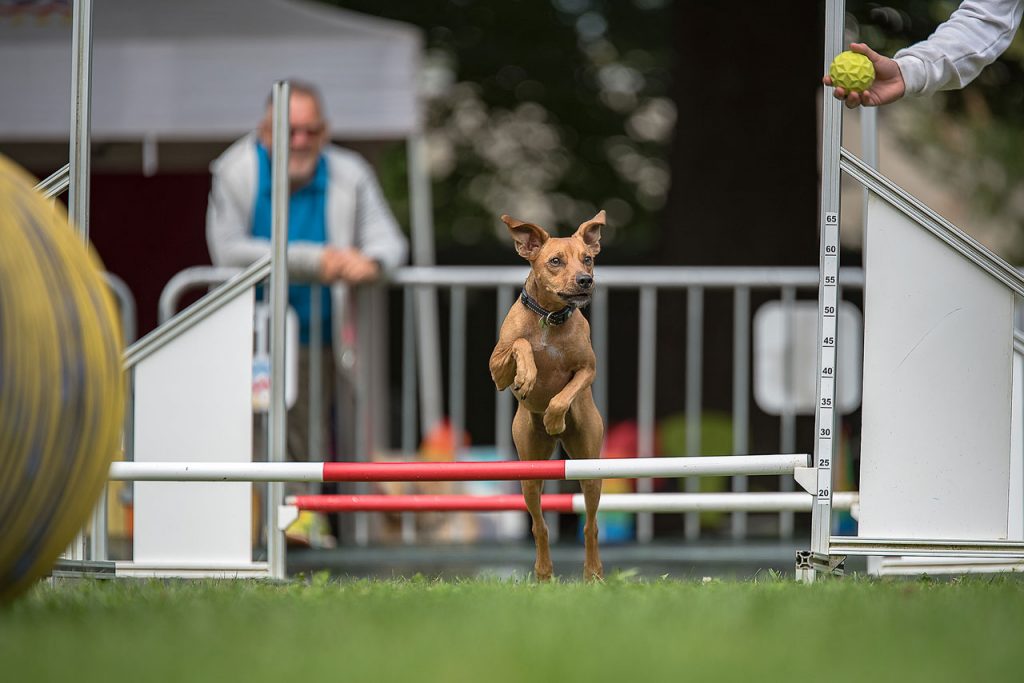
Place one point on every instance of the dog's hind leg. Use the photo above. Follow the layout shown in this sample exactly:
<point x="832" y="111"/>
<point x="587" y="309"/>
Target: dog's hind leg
<point x="533" y="443"/>
<point x="582" y="439"/>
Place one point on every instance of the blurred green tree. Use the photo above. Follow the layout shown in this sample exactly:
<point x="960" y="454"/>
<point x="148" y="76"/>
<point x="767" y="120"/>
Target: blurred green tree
<point x="971" y="139"/>
<point x="693" y="123"/>
<point x="547" y="111"/>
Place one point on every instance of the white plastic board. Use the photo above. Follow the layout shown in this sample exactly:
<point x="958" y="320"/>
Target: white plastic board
<point x="193" y="401"/>
<point x="937" y="376"/>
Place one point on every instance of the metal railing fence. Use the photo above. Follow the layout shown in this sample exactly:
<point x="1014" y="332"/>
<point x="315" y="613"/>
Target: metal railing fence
<point x="374" y="410"/>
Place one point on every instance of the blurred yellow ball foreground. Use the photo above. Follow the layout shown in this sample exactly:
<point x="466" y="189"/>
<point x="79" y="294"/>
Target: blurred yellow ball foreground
<point x="852" y="71"/>
<point x="61" y="386"/>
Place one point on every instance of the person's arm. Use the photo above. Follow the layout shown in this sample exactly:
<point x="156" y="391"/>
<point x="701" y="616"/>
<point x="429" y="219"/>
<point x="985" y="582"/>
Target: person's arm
<point x="377" y="234"/>
<point x="971" y="39"/>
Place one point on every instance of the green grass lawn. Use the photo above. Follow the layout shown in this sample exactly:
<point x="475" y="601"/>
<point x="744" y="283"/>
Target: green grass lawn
<point x="851" y="629"/>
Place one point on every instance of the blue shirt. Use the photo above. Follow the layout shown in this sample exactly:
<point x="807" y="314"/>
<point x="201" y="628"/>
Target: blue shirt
<point x="306" y="223"/>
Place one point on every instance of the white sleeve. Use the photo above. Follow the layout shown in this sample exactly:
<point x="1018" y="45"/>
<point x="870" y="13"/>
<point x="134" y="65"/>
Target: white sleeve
<point x="377" y="234"/>
<point x="971" y="39"/>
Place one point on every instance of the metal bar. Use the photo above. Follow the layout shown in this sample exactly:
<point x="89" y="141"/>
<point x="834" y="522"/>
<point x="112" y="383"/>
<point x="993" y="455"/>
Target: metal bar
<point x="213" y="471"/>
<point x="81" y="117"/>
<point x="693" y="408"/>
<point x="828" y="267"/>
<point x="315" y="386"/>
<point x="186" y="279"/>
<point x="504" y="405"/>
<point x="646" y="374"/>
<point x="197" y="312"/>
<point x="278" y="305"/>
<point x="706" y="466"/>
<point x="787" y="422"/>
<point x="421" y="217"/>
<point x="457" y="367"/>
<point x="408" y="371"/>
<point x="126" y="306"/>
<point x="856" y="545"/>
<point x="98" y="538"/>
<point x="611" y="468"/>
<point x="928" y="219"/>
<point x="429" y="348"/>
<point x="55" y="183"/>
<point x="380" y="366"/>
<point x="570" y="502"/>
<point x="421" y="211"/>
<point x="129" y="327"/>
<point x="408" y="395"/>
<point x="364" y="389"/>
<point x="740" y="397"/>
<point x="630" y="277"/>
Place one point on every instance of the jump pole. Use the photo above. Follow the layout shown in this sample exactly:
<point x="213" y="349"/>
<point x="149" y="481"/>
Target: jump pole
<point x="570" y="502"/>
<point x="617" y="468"/>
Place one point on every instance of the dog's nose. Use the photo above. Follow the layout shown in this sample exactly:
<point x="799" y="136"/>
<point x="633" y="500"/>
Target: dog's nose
<point x="584" y="281"/>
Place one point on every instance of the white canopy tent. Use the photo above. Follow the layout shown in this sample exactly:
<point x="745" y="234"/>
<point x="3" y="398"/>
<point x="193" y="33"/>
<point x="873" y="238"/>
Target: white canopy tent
<point x="202" y="69"/>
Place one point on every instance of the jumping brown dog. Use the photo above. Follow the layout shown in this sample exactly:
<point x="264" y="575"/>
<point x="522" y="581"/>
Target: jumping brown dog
<point x="544" y="353"/>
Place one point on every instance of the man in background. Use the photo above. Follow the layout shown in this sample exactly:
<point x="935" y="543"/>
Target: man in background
<point x="341" y="233"/>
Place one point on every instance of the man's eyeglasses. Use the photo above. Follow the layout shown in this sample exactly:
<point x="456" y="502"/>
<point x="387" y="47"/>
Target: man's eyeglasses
<point x="309" y="131"/>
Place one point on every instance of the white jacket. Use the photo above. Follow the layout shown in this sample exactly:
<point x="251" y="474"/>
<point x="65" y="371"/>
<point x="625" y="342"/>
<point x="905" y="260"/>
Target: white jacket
<point x="356" y="216"/>
<point x="971" y="39"/>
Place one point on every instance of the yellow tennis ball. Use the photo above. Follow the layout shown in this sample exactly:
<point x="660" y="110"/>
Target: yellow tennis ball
<point x="852" y="71"/>
<point x="61" y="383"/>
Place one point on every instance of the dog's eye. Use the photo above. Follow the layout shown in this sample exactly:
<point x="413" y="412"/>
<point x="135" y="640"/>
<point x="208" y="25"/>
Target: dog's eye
<point x="587" y="261"/>
<point x="554" y="261"/>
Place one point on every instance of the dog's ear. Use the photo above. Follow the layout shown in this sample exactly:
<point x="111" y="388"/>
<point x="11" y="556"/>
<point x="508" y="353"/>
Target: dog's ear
<point x="529" y="238"/>
<point x="590" y="233"/>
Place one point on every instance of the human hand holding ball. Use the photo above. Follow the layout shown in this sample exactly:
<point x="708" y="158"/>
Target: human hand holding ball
<point x="862" y="77"/>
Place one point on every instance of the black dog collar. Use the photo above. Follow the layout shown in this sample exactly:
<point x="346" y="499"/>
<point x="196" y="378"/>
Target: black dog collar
<point x="546" y="317"/>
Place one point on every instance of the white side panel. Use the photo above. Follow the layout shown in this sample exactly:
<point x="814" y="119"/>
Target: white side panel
<point x="193" y="402"/>
<point x="936" y="419"/>
<point x="910" y="566"/>
<point x="1015" y="524"/>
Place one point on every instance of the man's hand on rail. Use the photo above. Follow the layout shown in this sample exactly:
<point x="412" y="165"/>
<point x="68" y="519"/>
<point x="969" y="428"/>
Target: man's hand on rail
<point x="347" y="265"/>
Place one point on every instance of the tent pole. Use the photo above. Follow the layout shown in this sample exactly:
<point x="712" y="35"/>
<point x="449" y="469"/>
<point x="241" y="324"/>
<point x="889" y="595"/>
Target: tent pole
<point x="427" y="326"/>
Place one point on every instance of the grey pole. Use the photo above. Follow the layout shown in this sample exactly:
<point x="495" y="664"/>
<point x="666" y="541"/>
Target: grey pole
<point x="81" y="117"/>
<point x="78" y="195"/>
<point x="693" y="400"/>
<point x="646" y="386"/>
<point x="427" y="326"/>
<point x="457" y="368"/>
<point x="314" y="384"/>
<point x="824" y="423"/>
<point x="278" y="304"/>
<point x="740" y="397"/>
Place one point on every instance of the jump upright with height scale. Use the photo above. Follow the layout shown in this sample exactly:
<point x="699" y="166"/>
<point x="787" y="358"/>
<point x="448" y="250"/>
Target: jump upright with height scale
<point x="941" y="438"/>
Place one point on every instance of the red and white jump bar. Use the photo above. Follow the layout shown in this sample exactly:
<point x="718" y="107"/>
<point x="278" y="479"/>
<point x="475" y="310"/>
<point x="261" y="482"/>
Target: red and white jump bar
<point x="617" y="468"/>
<point x="573" y="502"/>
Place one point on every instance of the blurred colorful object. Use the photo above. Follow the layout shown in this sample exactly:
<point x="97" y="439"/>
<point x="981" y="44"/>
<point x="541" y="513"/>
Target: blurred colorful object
<point x="61" y="385"/>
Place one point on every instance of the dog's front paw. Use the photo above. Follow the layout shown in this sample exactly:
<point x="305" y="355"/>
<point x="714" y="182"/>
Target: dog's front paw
<point x="554" y="421"/>
<point x="523" y="384"/>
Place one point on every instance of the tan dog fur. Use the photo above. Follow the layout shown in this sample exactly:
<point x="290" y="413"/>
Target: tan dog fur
<point x="551" y="368"/>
